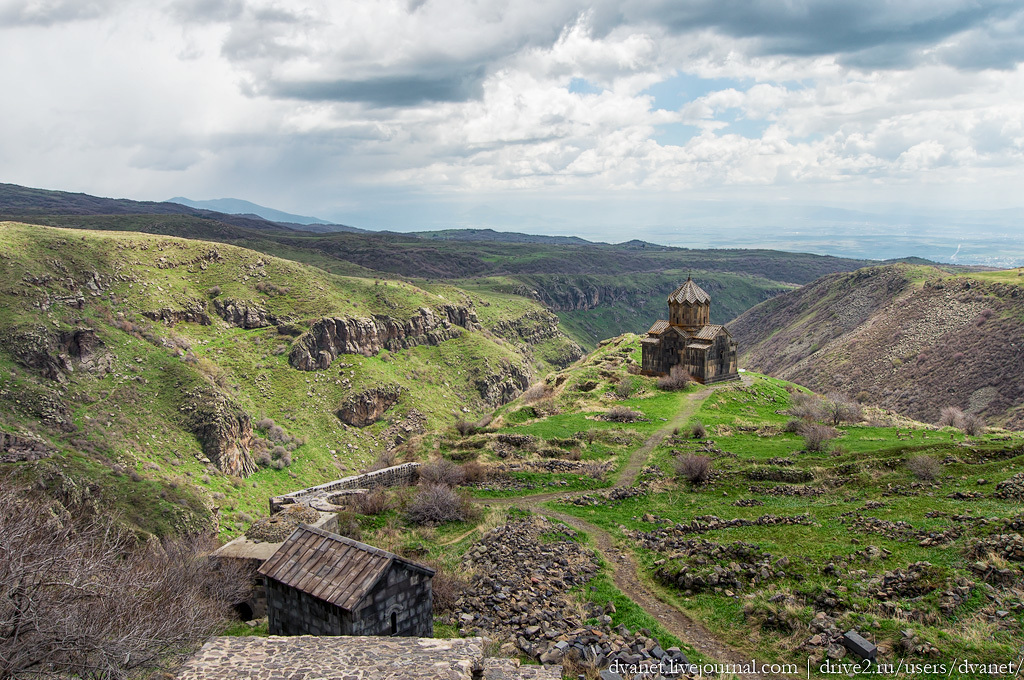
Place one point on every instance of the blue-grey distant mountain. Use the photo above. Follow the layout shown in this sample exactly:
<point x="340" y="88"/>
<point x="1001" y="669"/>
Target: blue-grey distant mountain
<point x="236" y="206"/>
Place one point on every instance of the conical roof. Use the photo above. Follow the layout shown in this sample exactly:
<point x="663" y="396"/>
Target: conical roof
<point x="690" y="293"/>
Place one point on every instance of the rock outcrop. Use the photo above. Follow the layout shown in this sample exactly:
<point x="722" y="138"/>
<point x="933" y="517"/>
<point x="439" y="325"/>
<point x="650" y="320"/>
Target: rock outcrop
<point x="193" y="311"/>
<point x="243" y="314"/>
<point x="503" y="385"/>
<point x="368" y="407"/>
<point x="330" y="337"/>
<point x="52" y="353"/>
<point x="533" y="328"/>
<point x="17" y="448"/>
<point x="223" y="429"/>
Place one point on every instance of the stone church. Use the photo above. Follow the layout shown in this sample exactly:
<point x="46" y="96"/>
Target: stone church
<point x="707" y="351"/>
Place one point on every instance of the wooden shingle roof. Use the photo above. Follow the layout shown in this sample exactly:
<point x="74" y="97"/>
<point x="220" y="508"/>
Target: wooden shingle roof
<point x="708" y="332"/>
<point x="658" y="327"/>
<point x="330" y="567"/>
<point x="690" y="293"/>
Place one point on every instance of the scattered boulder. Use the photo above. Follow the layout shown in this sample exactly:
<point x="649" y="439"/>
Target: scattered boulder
<point x="368" y="407"/>
<point x="223" y="429"/>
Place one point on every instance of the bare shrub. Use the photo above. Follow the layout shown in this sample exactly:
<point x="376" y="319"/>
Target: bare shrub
<point x="838" y="409"/>
<point x="621" y="414"/>
<point x="792" y="425"/>
<point x="88" y="601"/>
<point x="806" y="406"/>
<point x="263" y="458"/>
<point x="973" y="424"/>
<point x="265" y="423"/>
<point x="535" y="393"/>
<point x="925" y="468"/>
<point x="442" y="471"/>
<point x="593" y="469"/>
<point x="697" y="430"/>
<point x="446" y="587"/>
<point x="677" y="379"/>
<point x="485" y="421"/>
<point x="695" y="468"/>
<point x="464" y="427"/>
<point x="625" y="388"/>
<point x="474" y="472"/>
<point x="214" y="291"/>
<point x="817" y="436"/>
<point x="276" y="434"/>
<point x="436" y="504"/>
<point x="951" y="416"/>
<point x="377" y="502"/>
<point x="348" y="525"/>
<point x="385" y="459"/>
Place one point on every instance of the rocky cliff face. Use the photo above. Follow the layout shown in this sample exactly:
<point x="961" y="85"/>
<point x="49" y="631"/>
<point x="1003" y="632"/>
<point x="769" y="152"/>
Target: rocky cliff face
<point x="321" y="345"/>
<point x="368" y="407"/>
<point x="503" y="385"/>
<point x="534" y="328"/>
<point x="223" y="429"/>
<point x="586" y="296"/>
<point x="52" y="353"/>
<point x="243" y="314"/>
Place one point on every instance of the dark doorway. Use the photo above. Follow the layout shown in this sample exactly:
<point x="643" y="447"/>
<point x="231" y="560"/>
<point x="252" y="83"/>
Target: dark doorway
<point x="394" y="623"/>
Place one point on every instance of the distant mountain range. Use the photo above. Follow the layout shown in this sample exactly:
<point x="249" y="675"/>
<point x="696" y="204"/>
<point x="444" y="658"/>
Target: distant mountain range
<point x="236" y="206"/>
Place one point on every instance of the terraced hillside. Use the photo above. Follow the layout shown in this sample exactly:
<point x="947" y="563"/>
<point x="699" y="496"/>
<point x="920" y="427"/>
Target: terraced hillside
<point x="180" y="383"/>
<point x="911" y="338"/>
<point x="747" y="520"/>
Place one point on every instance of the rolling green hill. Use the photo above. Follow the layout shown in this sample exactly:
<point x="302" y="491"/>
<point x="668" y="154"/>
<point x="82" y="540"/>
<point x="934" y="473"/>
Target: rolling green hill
<point x="165" y="376"/>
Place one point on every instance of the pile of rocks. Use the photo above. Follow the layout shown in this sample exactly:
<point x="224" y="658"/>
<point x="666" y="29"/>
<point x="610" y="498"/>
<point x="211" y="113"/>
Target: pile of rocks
<point x="1011" y="489"/>
<point x="700" y="565"/>
<point x="966" y="495"/>
<point x="788" y="490"/>
<point x="897" y="531"/>
<point x="748" y="503"/>
<point x="605" y="497"/>
<point x="774" y="474"/>
<point x="911" y="643"/>
<point x="1007" y="546"/>
<point x="519" y="592"/>
<point x="667" y="539"/>
<point x="784" y="462"/>
<point x="556" y="465"/>
<point x="279" y="526"/>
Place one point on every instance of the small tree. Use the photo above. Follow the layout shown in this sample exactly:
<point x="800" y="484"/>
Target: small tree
<point x="951" y="416"/>
<point x="838" y="409"/>
<point x="625" y="388"/>
<point x="973" y="424"/>
<point x="436" y="504"/>
<point x="695" y="468"/>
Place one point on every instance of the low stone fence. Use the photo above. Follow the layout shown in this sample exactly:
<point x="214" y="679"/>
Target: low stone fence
<point x="319" y="497"/>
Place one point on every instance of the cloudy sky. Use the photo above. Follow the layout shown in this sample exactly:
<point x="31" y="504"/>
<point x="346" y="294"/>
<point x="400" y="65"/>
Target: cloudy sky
<point x="558" y="116"/>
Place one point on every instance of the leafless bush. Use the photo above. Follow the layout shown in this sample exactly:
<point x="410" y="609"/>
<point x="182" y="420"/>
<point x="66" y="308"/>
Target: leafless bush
<point x="474" y="472"/>
<point x="214" y="291"/>
<point x="441" y="471"/>
<point x="625" y="388"/>
<point x="276" y="433"/>
<point x="593" y="469"/>
<point x="951" y="416"/>
<point x="535" y="393"/>
<point x="446" y="587"/>
<point x="621" y="414"/>
<point x="817" y="436"/>
<point x="90" y="602"/>
<point x="925" y="468"/>
<point x="677" y="379"/>
<point x="792" y="425"/>
<point x="376" y="502"/>
<point x="806" y="406"/>
<point x="695" y="468"/>
<point x="464" y="427"/>
<point x="973" y="424"/>
<point x="385" y="459"/>
<point x="265" y="423"/>
<point x="697" y="430"/>
<point x="436" y="504"/>
<point x="838" y="409"/>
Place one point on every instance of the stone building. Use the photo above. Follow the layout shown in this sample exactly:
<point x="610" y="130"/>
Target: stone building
<point x="319" y="583"/>
<point x="689" y="339"/>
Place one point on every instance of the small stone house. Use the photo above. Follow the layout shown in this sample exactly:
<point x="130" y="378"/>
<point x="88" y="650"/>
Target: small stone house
<point x="319" y="583"/>
<point x="706" y="350"/>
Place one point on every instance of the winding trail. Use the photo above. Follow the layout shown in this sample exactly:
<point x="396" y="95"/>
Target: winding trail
<point x="625" y="571"/>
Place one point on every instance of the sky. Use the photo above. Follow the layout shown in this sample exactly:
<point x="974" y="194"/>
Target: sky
<point x="679" y="121"/>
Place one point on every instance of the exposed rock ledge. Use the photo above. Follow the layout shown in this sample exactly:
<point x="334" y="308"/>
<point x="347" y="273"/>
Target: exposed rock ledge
<point x="51" y="353"/>
<point x="243" y="314"/>
<point x="330" y="337"/>
<point x="503" y="385"/>
<point x="223" y="429"/>
<point x="368" y="407"/>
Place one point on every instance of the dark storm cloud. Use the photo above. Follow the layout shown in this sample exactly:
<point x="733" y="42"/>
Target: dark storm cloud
<point x="874" y="33"/>
<point x="388" y="91"/>
<point x="28" y="13"/>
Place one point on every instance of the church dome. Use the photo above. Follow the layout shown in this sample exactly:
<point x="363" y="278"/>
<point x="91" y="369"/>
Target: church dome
<point x="690" y="293"/>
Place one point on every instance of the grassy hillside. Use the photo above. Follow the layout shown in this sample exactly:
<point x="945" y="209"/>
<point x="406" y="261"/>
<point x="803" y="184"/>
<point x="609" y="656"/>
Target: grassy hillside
<point x="903" y="531"/>
<point x="114" y="357"/>
<point x="598" y="290"/>
<point x="910" y="337"/>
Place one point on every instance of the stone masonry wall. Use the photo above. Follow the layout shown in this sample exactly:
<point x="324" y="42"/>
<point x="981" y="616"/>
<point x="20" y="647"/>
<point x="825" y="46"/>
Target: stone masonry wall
<point x="318" y="497"/>
<point x="293" y="612"/>
<point x="406" y="593"/>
